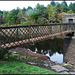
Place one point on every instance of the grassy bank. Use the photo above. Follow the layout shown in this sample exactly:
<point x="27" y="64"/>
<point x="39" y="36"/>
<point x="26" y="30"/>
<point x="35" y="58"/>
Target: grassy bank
<point x="17" y="67"/>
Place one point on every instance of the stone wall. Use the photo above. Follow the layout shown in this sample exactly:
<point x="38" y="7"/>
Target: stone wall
<point x="66" y="17"/>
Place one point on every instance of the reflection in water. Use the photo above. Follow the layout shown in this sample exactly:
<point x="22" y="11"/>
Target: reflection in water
<point x="52" y="48"/>
<point x="57" y="57"/>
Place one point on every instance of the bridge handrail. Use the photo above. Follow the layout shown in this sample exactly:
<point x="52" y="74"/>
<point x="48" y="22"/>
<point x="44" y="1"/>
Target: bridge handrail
<point x="8" y="27"/>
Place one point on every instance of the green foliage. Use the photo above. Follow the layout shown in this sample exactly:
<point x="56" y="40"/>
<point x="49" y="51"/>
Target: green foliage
<point x="25" y="23"/>
<point x="52" y="3"/>
<point x="60" y="16"/>
<point x="6" y="24"/>
<point x="3" y="52"/>
<point x="70" y="12"/>
<point x="20" y="16"/>
<point x="39" y="15"/>
<point x="64" y="1"/>
<point x="51" y="13"/>
<point x="24" y="9"/>
<point x="64" y="7"/>
<point x="0" y="13"/>
<point x="41" y="9"/>
<point x="72" y="7"/>
<point x="30" y="12"/>
<point x="58" y="8"/>
<point x="29" y="7"/>
<point x="5" y="13"/>
<point x="40" y="21"/>
<point x="36" y="11"/>
<point x="67" y="67"/>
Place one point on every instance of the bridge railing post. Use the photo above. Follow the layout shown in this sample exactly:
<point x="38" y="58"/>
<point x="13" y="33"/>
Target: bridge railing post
<point x="29" y="33"/>
<point x="50" y="29"/>
<point x="17" y="34"/>
<point x="67" y="27"/>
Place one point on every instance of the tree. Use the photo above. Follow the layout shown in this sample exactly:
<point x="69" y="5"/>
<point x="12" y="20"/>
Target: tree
<point x="5" y="19"/>
<point x="41" y="8"/>
<point x="19" y="16"/>
<point x="58" y="8"/>
<point x="29" y="7"/>
<point x="52" y="3"/>
<point x="31" y="16"/>
<point x="1" y="12"/>
<point x="24" y="9"/>
<point x="42" y="14"/>
<point x="70" y="12"/>
<point x="60" y="16"/>
<point x="12" y="16"/>
<point x="31" y="12"/>
<point x="1" y="17"/>
<point x="56" y="18"/>
<point x="51" y="13"/>
<point x="64" y="1"/>
<point x="37" y="13"/>
<point x="72" y="7"/>
<point x="64" y="6"/>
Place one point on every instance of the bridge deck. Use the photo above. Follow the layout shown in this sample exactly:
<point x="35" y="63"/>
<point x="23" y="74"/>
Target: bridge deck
<point x="17" y="43"/>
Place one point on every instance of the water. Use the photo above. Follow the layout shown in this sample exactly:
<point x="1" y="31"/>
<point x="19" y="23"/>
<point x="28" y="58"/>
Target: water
<point x="52" y="48"/>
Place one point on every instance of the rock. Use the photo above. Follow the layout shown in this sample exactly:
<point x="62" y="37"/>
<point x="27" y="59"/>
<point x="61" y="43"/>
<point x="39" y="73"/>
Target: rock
<point x="70" y="62"/>
<point x="46" y="65"/>
<point x="59" y="68"/>
<point x="71" y="72"/>
<point x="29" y="53"/>
<point x="66" y="64"/>
<point x="47" y="62"/>
<point x="31" y="63"/>
<point x="13" y="52"/>
<point x="65" y="72"/>
<point x="35" y="55"/>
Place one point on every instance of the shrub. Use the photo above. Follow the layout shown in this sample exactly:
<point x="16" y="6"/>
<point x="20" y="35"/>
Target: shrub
<point x="6" y="24"/>
<point x="3" y="53"/>
<point x="25" y="23"/>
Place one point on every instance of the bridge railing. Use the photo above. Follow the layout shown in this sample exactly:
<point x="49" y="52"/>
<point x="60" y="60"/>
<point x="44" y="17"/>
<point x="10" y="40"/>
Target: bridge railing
<point x="17" y="35"/>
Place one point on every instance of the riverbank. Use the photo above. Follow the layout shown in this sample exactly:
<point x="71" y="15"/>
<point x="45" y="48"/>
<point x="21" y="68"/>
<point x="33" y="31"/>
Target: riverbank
<point x="65" y="68"/>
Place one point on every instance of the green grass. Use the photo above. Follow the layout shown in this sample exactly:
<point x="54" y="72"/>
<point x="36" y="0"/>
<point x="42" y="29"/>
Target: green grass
<point x="67" y="67"/>
<point x="17" y="67"/>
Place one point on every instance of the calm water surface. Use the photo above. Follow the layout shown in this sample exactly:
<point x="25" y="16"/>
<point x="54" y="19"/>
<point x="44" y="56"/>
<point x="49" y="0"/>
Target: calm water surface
<point x="52" y="48"/>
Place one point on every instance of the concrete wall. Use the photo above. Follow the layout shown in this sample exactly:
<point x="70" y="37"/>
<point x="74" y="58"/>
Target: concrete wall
<point x="66" y="17"/>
